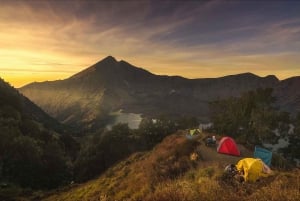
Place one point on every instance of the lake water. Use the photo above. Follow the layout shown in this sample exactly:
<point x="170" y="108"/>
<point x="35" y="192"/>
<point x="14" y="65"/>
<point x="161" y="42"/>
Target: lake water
<point x="133" y="120"/>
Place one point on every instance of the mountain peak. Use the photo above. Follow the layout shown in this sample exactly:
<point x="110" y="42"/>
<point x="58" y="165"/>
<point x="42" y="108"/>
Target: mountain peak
<point x="107" y="62"/>
<point x="110" y="59"/>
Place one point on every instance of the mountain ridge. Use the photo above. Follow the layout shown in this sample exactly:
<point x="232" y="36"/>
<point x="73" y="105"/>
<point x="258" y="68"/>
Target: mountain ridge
<point x="110" y="85"/>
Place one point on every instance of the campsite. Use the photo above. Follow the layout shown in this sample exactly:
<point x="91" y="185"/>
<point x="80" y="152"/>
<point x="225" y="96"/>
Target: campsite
<point x="149" y="100"/>
<point x="183" y="168"/>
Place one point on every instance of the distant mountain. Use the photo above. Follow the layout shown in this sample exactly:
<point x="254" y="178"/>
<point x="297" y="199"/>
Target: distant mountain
<point x="110" y="85"/>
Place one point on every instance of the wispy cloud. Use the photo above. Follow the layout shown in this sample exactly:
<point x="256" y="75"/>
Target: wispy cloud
<point x="189" y="38"/>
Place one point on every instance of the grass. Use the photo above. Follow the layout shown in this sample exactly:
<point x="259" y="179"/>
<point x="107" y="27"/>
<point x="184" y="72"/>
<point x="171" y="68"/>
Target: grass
<point x="168" y="174"/>
<point x="276" y="188"/>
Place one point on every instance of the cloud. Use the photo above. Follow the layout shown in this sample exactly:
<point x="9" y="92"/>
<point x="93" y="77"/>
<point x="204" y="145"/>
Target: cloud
<point x="21" y="70"/>
<point x="192" y="39"/>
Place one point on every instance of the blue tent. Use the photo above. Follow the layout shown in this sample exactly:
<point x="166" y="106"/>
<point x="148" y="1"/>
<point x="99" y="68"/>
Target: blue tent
<point x="264" y="154"/>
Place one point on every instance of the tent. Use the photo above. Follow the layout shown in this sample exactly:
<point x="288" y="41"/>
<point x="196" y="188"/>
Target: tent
<point x="253" y="169"/>
<point x="193" y="133"/>
<point x="227" y="145"/>
<point x="264" y="154"/>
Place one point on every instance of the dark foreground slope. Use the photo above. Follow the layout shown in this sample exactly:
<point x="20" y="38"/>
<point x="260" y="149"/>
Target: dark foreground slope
<point x="32" y="154"/>
<point x="167" y="173"/>
<point x="11" y="98"/>
<point x="109" y="85"/>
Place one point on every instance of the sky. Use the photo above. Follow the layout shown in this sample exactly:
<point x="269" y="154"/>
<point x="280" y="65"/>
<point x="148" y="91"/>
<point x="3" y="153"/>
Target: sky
<point x="49" y="40"/>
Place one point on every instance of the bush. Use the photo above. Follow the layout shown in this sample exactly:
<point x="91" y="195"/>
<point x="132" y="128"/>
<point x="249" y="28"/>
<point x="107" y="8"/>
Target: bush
<point x="280" y="162"/>
<point x="9" y="192"/>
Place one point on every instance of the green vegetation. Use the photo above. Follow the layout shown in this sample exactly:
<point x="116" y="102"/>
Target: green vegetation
<point x="101" y="150"/>
<point x="252" y="119"/>
<point x="293" y="151"/>
<point x="31" y="156"/>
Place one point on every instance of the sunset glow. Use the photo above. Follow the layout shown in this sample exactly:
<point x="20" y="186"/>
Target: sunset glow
<point x="50" y="40"/>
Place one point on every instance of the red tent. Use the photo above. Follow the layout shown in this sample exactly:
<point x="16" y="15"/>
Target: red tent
<point x="227" y="145"/>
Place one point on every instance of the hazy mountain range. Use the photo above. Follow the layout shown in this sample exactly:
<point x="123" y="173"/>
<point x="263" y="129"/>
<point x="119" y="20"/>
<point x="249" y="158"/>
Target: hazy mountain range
<point x="110" y="85"/>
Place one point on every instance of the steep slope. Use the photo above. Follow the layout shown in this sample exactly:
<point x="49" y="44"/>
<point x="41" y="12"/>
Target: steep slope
<point x="168" y="173"/>
<point x="32" y="154"/>
<point x="87" y="97"/>
<point x="11" y="97"/>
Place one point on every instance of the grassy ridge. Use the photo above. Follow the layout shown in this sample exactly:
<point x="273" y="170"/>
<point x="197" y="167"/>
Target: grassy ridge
<point x="167" y="173"/>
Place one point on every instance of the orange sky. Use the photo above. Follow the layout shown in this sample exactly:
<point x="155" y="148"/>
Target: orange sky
<point x="49" y="40"/>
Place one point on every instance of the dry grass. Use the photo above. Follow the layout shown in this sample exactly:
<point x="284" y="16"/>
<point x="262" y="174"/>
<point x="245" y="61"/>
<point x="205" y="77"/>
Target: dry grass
<point x="168" y="174"/>
<point x="282" y="186"/>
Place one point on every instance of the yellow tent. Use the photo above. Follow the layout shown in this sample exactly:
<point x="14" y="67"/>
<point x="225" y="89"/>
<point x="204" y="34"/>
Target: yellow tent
<point x="253" y="168"/>
<point x="195" y="131"/>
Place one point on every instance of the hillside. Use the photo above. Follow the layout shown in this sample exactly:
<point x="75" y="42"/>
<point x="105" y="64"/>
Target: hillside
<point x="11" y="97"/>
<point x="88" y="97"/>
<point x="168" y="173"/>
<point x="33" y="154"/>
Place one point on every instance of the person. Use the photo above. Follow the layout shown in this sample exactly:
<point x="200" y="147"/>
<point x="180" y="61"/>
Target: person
<point x="231" y="169"/>
<point x="210" y="141"/>
<point x="233" y="172"/>
<point x="214" y="140"/>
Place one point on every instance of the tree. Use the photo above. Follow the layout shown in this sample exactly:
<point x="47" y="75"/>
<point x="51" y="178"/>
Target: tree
<point x="55" y="170"/>
<point x="292" y="151"/>
<point x="102" y="150"/>
<point x="250" y="118"/>
<point x="22" y="164"/>
<point x="89" y="161"/>
<point x="186" y="122"/>
<point x="297" y="124"/>
<point x="31" y="156"/>
<point x="153" y="131"/>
